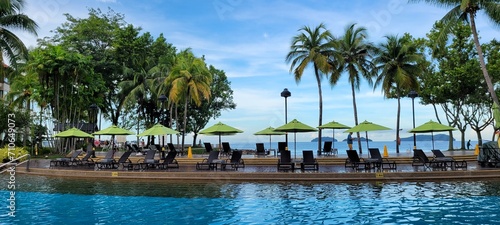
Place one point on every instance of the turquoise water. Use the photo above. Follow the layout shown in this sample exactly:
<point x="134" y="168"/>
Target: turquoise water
<point x="42" y="200"/>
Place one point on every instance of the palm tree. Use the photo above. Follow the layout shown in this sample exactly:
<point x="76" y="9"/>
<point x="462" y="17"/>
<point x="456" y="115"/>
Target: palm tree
<point x="397" y="60"/>
<point x="311" y="46"/>
<point x="352" y="55"/>
<point x="11" y="18"/>
<point x="189" y="81"/>
<point x="466" y="10"/>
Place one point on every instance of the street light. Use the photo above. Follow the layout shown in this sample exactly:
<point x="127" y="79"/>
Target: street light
<point x="413" y="94"/>
<point x="162" y="99"/>
<point x="93" y="117"/>
<point x="285" y="94"/>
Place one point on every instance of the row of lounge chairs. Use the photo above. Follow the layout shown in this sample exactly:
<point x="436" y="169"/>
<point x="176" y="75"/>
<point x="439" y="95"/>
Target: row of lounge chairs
<point x="327" y="149"/>
<point x="213" y="161"/>
<point x="439" y="161"/>
<point x="73" y="159"/>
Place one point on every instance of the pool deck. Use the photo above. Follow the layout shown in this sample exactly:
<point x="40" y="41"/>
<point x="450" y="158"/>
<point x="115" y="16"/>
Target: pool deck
<point x="264" y="168"/>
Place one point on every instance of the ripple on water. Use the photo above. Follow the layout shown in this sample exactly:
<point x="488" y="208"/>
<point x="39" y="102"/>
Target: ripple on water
<point x="42" y="200"/>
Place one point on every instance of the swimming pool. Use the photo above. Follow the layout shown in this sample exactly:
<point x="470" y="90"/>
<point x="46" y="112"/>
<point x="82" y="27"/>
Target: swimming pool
<point x="49" y="200"/>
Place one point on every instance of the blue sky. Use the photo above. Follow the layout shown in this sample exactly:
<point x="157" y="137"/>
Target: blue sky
<point x="249" y="40"/>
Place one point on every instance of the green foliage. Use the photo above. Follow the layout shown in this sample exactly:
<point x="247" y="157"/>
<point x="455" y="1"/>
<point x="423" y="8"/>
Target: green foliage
<point x="221" y="98"/>
<point x="11" y="116"/>
<point x="6" y="155"/>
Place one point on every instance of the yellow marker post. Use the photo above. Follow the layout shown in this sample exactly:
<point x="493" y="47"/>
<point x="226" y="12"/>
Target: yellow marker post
<point x="476" y="151"/>
<point x="190" y="153"/>
<point x="386" y="153"/>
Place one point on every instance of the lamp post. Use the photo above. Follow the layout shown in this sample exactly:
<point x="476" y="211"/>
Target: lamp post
<point x="93" y="117"/>
<point x="413" y="94"/>
<point x="162" y="99"/>
<point x="285" y="94"/>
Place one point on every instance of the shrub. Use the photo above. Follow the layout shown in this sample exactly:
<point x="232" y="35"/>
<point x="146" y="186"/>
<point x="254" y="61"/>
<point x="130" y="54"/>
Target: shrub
<point x="18" y="151"/>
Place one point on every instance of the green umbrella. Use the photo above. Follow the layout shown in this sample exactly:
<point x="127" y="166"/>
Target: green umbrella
<point x="158" y="129"/>
<point x="73" y="132"/>
<point x="366" y="126"/>
<point x="269" y="131"/>
<point x="432" y="127"/>
<point x="220" y="129"/>
<point x="333" y="125"/>
<point x="295" y="126"/>
<point x="113" y="130"/>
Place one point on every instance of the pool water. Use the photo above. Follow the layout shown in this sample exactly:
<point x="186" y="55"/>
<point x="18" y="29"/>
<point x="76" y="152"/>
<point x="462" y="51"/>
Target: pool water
<point x="47" y="200"/>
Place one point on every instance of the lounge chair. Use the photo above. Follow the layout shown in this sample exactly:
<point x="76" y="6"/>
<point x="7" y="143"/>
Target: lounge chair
<point x="260" y="149"/>
<point x="141" y="164"/>
<point x="66" y="161"/>
<point x="328" y="150"/>
<point x="208" y="147"/>
<point x="123" y="161"/>
<point x="133" y="147"/>
<point x="105" y="162"/>
<point x="308" y="161"/>
<point x="355" y="162"/>
<point x="226" y="149"/>
<point x="448" y="161"/>
<point x="421" y="159"/>
<point x="171" y="147"/>
<point x="168" y="162"/>
<point x="235" y="162"/>
<point x="285" y="161"/>
<point x="86" y="160"/>
<point x="281" y="147"/>
<point x="208" y="163"/>
<point x="379" y="162"/>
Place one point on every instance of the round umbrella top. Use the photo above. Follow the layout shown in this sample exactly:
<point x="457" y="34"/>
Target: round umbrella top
<point x="431" y="126"/>
<point x="158" y="129"/>
<point x="220" y="129"/>
<point x="295" y="126"/>
<point x="73" y="132"/>
<point x="269" y="131"/>
<point x="366" y="126"/>
<point x="334" y="125"/>
<point x="113" y="130"/>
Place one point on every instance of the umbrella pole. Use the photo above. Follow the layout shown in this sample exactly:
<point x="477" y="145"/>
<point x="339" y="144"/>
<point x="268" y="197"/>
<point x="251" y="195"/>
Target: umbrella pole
<point x="366" y="132"/>
<point x="432" y="137"/>
<point x="333" y="139"/>
<point x="269" y="143"/>
<point x="295" y="145"/>
<point x="220" y="143"/>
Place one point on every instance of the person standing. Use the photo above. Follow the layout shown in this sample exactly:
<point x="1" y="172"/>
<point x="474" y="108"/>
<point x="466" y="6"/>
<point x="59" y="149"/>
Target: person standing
<point x="468" y="145"/>
<point x="349" y="140"/>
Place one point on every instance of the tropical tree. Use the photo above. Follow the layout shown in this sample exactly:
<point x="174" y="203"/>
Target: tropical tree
<point x="190" y="82"/>
<point x="11" y="19"/>
<point x="311" y="46"/>
<point x="466" y="10"/>
<point x="352" y="55"/>
<point x="396" y="60"/>
<point x="221" y="98"/>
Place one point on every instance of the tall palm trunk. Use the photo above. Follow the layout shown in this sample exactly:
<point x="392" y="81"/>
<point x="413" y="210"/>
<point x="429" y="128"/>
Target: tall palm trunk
<point x="398" y="123"/>
<point x="353" y="90"/>
<point x="185" y="118"/>
<point x="318" y="79"/>
<point x="487" y="77"/>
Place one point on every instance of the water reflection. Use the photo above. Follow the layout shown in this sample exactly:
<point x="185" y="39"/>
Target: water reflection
<point x="55" y="200"/>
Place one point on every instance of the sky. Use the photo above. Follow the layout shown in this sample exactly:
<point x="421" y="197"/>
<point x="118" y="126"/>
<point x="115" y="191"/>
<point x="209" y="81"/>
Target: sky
<point x="249" y="40"/>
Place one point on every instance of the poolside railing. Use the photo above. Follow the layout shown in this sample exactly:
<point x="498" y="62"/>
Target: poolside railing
<point x="16" y="162"/>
